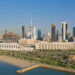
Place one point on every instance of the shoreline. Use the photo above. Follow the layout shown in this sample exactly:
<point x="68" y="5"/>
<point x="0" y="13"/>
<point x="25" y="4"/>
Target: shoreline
<point x="15" y="61"/>
<point x="27" y="65"/>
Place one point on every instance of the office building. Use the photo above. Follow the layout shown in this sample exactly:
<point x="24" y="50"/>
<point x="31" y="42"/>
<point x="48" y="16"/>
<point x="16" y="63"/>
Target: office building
<point x="48" y="37"/>
<point x="53" y="32"/>
<point x="73" y="39"/>
<point x="57" y="35"/>
<point x="23" y="31"/>
<point x="34" y="33"/>
<point x="64" y="30"/>
<point x="39" y="34"/>
<point x="73" y="31"/>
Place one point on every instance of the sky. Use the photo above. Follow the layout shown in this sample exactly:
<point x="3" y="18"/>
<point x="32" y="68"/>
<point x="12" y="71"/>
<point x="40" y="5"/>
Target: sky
<point x="15" y="13"/>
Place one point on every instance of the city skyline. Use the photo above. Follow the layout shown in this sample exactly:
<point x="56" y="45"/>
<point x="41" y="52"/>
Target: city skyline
<point x="37" y="34"/>
<point x="44" y="13"/>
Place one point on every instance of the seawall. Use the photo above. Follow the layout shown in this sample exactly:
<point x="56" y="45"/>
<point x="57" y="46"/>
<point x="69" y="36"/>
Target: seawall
<point x="47" y="67"/>
<point x="27" y="65"/>
<point x="27" y="68"/>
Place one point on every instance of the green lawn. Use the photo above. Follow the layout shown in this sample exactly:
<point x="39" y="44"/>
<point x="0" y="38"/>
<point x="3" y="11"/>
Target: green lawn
<point x="57" y="57"/>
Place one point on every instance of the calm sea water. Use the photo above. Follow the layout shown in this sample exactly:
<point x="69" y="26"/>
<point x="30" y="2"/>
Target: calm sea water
<point x="7" y="69"/>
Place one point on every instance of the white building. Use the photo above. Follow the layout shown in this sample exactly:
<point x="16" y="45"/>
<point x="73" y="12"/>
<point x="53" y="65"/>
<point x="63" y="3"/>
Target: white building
<point x="14" y="47"/>
<point x="54" y="45"/>
<point x="64" y="30"/>
<point x="27" y="42"/>
<point x="34" y="33"/>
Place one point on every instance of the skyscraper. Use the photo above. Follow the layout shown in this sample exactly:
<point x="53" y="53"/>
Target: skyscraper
<point x="31" y="29"/>
<point x="73" y="31"/>
<point x="34" y="33"/>
<point x="23" y="31"/>
<point x="57" y="35"/>
<point x="39" y="34"/>
<point x="48" y="36"/>
<point x="53" y="32"/>
<point x="64" y="30"/>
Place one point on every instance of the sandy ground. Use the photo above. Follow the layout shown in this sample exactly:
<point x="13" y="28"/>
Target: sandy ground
<point x="17" y="62"/>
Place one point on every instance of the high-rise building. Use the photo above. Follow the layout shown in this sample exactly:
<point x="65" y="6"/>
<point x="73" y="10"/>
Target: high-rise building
<point x="39" y="34"/>
<point x="34" y="33"/>
<point x="53" y="32"/>
<point x="48" y="37"/>
<point x="71" y="38"/>
<point x="23" y="31"/>
<point x="73" y="31"/>
<point x="31" y="29"/>
<point x="64" y="30"/>
<point x="57" y="35"/>
<point x="48" y="34"/>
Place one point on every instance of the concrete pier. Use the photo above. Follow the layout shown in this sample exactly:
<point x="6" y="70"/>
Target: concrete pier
<point x="47" y="67"/>
<point x="28" y="68"/>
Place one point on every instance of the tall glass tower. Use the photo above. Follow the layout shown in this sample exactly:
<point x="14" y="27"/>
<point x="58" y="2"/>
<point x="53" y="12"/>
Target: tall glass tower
<point x="73" y="31"/>
<point x="39" y="34"/>
<point x="53" y="32"/>
<point x="64" y="30"/>
<point x="23" y="31"/>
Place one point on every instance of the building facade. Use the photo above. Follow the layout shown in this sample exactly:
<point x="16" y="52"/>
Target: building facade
<point x="64" y="30"/>
<point x="73" y="31"/>
<point x="39" y="34"/>
<point x="53" y="32"/>
<point x="55" y="45"/>
<point x="57" y="35"/>
<point x="34" y="33"/>
<point x="14" y="47"/>
<point x="23" y="31"/>
<point x="31" y="31"/>
<point x="9" y="37"/>
<point x="27" y="42"/>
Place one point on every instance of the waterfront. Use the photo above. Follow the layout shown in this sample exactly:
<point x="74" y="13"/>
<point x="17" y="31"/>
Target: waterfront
<point x="7" y="69"/>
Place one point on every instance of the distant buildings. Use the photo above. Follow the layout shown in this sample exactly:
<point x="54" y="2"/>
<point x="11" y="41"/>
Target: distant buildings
<point x="34" y="33"/>
<point x="57" y="35"/>
<point x="53" y="32"/>
<point x="48" y="37"/>
<point x="23" y="31"/>
<point x="73" y="31"/>
<point x="27" y="42"/>
<point x="70" y="37"/>
<point x="64" y="30"/>
<point x="9" y="37"/>
<point x="74" y="39"/>
<point x="39" y="34"/>
<point x="30" y="31"/>
<point x="31" y="34"/>
<point x="31" y="40"/>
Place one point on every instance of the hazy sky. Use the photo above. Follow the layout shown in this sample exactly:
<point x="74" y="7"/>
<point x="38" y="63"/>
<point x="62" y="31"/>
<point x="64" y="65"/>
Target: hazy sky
<point x="15" y="13"/>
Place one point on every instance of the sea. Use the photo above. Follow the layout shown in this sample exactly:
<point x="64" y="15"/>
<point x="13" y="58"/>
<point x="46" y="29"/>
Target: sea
<point x="8" y="69"/>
